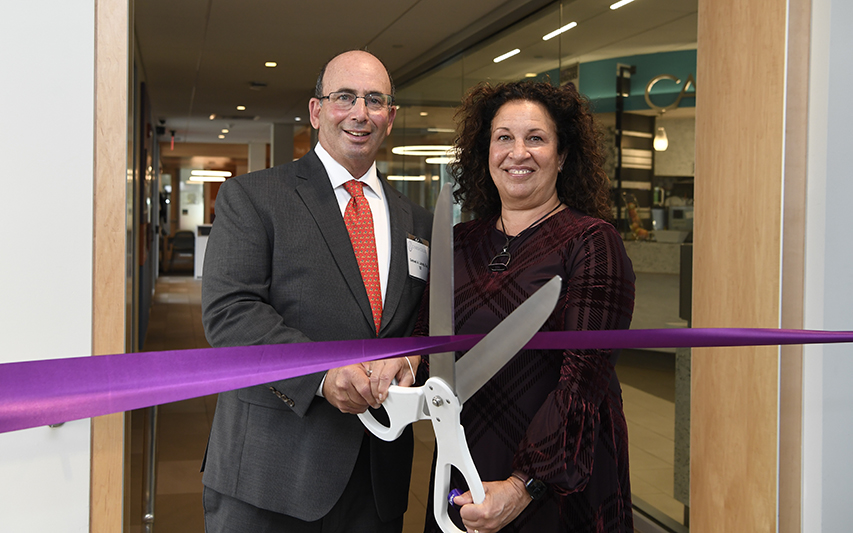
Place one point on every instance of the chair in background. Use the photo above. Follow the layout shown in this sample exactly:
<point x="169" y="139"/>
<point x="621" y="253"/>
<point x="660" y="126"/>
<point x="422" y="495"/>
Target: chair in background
<point x="182" y="246"/>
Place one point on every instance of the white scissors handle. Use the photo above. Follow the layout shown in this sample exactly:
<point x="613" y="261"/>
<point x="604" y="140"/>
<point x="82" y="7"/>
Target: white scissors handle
<point x="444" y="409"/>
<point x="404" y="406"/>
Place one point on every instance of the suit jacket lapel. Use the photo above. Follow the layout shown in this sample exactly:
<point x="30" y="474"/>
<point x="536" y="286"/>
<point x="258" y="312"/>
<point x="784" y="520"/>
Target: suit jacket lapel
<point x="319" y="197"/>
<point x="400" y="217"/>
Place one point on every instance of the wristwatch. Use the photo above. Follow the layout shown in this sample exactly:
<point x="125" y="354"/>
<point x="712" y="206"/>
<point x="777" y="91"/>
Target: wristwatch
<point x="535" y="487"/>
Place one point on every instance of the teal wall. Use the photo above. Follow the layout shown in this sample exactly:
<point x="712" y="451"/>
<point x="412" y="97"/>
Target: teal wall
<point x="597" y="80"/>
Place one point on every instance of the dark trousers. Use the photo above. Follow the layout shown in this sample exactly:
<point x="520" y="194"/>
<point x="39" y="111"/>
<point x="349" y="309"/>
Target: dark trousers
<point x="355" y="511"/>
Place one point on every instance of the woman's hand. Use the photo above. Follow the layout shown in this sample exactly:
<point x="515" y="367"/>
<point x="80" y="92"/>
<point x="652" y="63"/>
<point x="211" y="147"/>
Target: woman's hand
<point x="504" y="501"/>
<point x="381" y="373"/>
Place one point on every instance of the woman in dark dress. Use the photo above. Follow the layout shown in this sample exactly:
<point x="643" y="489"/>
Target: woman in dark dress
<point x="547" y="433"/>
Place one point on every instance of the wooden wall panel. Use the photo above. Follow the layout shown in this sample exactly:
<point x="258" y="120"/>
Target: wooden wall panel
<point x="737" y="261"/>
<point x="109" y="432"/>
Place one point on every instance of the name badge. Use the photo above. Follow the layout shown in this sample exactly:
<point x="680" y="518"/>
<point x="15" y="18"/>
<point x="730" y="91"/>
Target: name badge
<point x="418" y="251"/>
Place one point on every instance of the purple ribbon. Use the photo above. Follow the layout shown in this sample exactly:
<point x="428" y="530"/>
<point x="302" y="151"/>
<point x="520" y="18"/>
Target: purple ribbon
<point x="39" y="393"/>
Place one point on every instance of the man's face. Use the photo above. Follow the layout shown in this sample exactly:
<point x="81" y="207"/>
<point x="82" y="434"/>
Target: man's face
<point x="353" y="136"/>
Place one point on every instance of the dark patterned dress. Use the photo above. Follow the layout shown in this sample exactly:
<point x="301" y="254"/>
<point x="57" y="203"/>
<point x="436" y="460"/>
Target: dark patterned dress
<point x="554" y="415"/>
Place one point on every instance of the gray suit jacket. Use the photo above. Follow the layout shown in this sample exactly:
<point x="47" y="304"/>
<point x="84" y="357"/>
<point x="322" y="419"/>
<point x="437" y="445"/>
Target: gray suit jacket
<point x="279" y="268"/>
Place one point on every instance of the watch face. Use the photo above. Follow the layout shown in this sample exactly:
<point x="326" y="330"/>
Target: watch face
<point x="536" y="488"/>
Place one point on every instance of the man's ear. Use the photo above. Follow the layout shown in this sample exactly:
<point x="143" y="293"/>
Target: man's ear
<point x="392" y="113"/>
<point x="314" y="106"/>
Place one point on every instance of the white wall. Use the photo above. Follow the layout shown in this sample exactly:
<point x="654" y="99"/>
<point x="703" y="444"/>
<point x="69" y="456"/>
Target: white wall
<point x="828" y="372"/>
<point x="46" y="145"/>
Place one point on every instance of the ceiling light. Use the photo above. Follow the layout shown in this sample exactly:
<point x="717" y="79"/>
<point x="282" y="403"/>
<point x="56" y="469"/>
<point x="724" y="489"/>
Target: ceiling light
<point x="621" y="3"/>
<point x="440" y="160"/>
<point x="215" y="173"/>
<point x="224" y="130"/>
<point x="661" y="143"/>
<point x="407" y="178"/>
<point x="270" y="64"/>
<point x="241" y="108"/>
<point x="206" y="179"/>
<point x="424" y="113"/>
<point x="567" y="27"/>
<point x="428" y="150"/>
<point x="506" y="55"/>
<point x="530" y="75"/>
<point x="212" y="116"/>
<point x="221" y="136"/>
<point x="298" y="119"/>
<point x="441" y="130"/>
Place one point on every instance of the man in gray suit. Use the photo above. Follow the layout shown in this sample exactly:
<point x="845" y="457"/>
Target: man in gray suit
<point x="280" y="268"/>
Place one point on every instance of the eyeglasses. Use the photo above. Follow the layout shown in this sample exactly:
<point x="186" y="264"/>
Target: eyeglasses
<point x="500" y="262"/>
<point x="345" y="100"/>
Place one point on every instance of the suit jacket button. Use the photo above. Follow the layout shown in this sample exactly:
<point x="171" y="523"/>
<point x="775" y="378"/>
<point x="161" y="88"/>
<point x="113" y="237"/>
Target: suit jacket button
<point x="282" y="397"/>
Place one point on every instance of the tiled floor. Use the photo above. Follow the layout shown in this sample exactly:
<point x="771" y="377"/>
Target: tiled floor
<point x="175" y="323"/>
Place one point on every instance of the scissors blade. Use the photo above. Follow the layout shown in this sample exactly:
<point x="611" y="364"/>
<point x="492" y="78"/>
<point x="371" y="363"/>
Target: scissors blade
<point x="442" y="365"/>
<point x="484" y="360"/>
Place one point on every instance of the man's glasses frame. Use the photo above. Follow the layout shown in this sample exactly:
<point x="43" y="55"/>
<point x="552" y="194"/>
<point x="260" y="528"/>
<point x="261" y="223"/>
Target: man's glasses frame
<point x="345" y="100"/>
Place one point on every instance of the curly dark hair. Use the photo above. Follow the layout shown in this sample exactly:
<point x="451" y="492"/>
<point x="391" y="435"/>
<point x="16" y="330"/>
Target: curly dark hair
<point x="582" y="184"/>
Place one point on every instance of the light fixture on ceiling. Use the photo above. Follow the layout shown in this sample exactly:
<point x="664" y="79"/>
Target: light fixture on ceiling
<point x="661" y="143"/>
<point x="424" y="113"/>
<point x="619" y="4"/>
<point x="565" y="28"/>
<point x="241" y="108"/>
<point x="424" y="150"/>
<point x="439" y="160"/>
<point x="530" y="75"/>
<point x="507" y="55"/>
<point x="200" y="174"/>
<point x="221" y="136"/>
<point x="205" y="179"/>
<point x="407" y="178"/>
<point x="270" y="64"/>
<point x="225" y="130"/>
<point x="298" y="119"/>
<point x="212" y="116"/>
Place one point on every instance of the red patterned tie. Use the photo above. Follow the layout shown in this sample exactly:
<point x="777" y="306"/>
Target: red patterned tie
<point x="359" y="221"/>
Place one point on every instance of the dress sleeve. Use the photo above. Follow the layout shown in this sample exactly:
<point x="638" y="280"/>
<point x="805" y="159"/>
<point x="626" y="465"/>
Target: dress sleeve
<point x="559" y="445"/>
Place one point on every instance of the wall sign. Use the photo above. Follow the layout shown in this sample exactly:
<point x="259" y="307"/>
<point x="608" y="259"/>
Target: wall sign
<point x="687" y="85"/>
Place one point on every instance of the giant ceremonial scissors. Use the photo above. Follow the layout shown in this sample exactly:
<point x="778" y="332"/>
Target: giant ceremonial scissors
<point x="451" y="383"/>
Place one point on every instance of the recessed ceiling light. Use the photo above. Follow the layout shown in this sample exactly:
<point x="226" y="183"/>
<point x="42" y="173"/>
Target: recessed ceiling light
<point x="221" y="136"/>
<point x="224" y="130"/>
<point x="506" y="55"/>
<point x="567" y="27"/>
<point x="212" y="116"/>
<point x="424" y="113"/>
<point x="621" y="3"/>
<point x="530" y="75"/>
<point x="241" y="108"/>
<point x="298" y="119"/>
<point x="270" y="64"/>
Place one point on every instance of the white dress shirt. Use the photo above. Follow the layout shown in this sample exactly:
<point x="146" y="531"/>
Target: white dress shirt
<point x="338" y="175"/>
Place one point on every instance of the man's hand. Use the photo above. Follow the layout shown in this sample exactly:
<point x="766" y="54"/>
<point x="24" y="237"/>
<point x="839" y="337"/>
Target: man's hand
<point x="504" y="501"/>
<point x="348" y="389"/>
<point x="355" y="387"/>
<point x="384" y="371"/>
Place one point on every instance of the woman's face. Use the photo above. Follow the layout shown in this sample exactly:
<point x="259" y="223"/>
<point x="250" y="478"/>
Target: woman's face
<point x="523" y="158"/>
